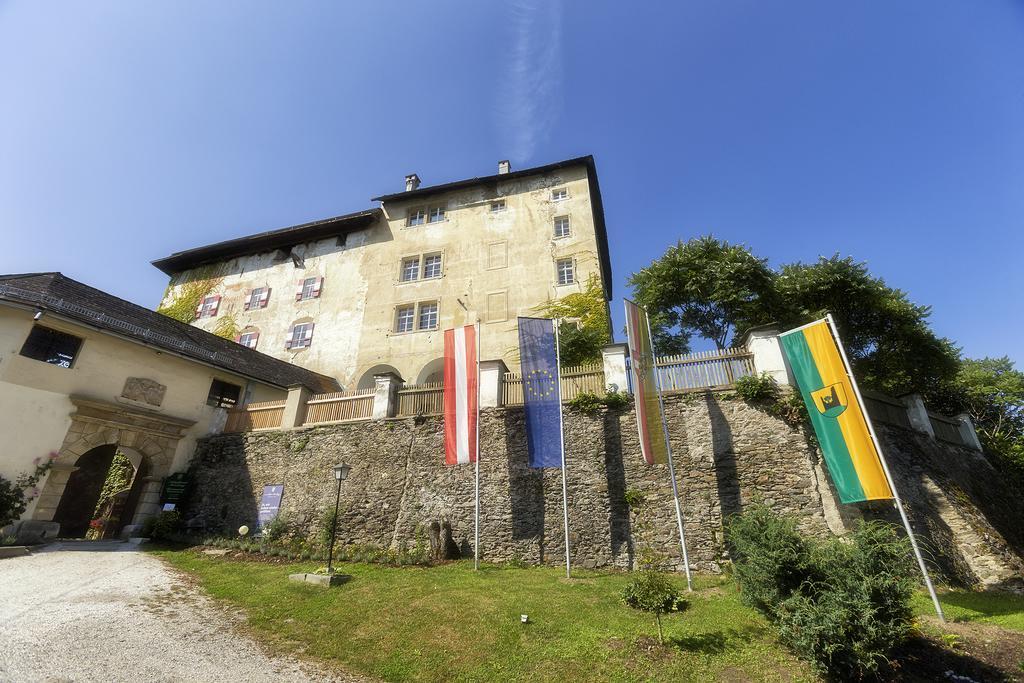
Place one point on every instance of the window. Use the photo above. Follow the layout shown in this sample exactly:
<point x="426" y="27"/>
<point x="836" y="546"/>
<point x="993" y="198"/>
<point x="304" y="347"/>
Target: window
<point x="559" y="194"/>
<point x="498" y="206"/>
<point x="309" y="288"/>
<point x="429" y="265"/>
<point x="436" y="214"/>
<point x="404" y="318"/>
<point x="301" y="336"/>
<point x="223" y="394"/>
<point x="416" y="217"/>
<point x="258" y="298"/>
<point x="428" y="316"/>
<point x="412" y="317"/>
<point x="565" y="270"/>
<point x="249" y="339"/>
<point x="208" y="307"/>
<point x="432" y="266"/>
<point x="411" y="269"/>
<point x="562" y="226"/>
<point x="51" y="346"/>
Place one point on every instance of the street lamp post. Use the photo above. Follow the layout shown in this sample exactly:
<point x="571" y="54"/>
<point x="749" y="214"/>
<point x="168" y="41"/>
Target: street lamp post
<point x="340" y="474"/>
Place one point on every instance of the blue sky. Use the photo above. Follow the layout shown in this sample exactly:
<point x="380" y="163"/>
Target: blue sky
<point x="889" y="131"/>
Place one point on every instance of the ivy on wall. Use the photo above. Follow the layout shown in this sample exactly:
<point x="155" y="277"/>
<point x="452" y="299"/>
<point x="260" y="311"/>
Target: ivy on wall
<point x="227" y="327"/>
<point x="197" y="285"/>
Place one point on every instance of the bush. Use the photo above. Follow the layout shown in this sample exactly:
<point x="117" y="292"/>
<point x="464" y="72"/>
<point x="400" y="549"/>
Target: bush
<point x="162" y="527"/>
<point x="757" y="388"/>
<point x="276" y="528"/>
<point x="589" y="403"/>
<point x="651" y="591"/>
<point x="843" y="604"/>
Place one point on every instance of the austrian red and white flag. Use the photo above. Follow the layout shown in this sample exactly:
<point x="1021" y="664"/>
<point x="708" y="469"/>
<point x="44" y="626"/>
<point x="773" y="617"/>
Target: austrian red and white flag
<point x="460" y="395"/>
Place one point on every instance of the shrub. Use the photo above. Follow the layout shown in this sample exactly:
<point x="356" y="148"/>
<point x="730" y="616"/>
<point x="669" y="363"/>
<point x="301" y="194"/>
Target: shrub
<point x="757" y="388"/>
<point x="651" y="591"/>
<point x="589" y="403"/>
<point x="162" y="527"/>
<point x="843" y="604"/>
<point x="276" y="528"/>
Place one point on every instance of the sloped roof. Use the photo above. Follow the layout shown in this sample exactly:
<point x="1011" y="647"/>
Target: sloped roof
<point x="81" y="303"/>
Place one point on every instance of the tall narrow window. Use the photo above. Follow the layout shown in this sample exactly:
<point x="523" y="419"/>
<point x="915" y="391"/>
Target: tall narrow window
<point x="559" y="194"/>
<point x="416" y="217"/>
<point x="432" y="266"/>
<point x="258" y="298"/>
<point x="436" y="214"/>
<point x="208" y="307"/>
<point x="562" y="226"/>
<point x="309" y="288"/>
<point x="405" y="318"/>
<point x="566" y="272"/>
<point x="410" y="269"/>
<point x="51" y="346"/>
<point x="428" y="316"/>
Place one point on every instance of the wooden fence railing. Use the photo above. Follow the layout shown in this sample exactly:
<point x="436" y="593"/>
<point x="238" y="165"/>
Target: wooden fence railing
<point x="264" y="415"/>
<point x="421" y="399"/>
<point x="705" y="369"/>
<point x="575" y="381"/>
<point x="340" y="406"/>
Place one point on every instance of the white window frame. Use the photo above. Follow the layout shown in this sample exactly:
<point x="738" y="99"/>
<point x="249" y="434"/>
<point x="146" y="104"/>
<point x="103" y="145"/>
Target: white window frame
<point x="410" y="260"/>
<point x="209" y="307"/>
<point x="399" y="318"/>
<point x="440" y="266"/>
<point x="441" y="211"/>
<point x="558" y="271"/>
<point x="414" y="321"/>
<point x="303" y="340"/>
<point x="419" y="315"/>
<point x="417" y="216"/>
<point x="559" y="194"/>
<point x="568" y="226"/>
<point x="498" y="205"/>
<point x="255" y="339"/>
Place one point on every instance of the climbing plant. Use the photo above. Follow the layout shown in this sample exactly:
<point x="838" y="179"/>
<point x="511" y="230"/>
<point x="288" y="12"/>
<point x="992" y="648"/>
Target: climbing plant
<point x="119" y="477"/>
<point x="182" y="303"/>
<point x="226" y="327"/>
<point x="16" y="495"/>
<point x="585" y="327"/>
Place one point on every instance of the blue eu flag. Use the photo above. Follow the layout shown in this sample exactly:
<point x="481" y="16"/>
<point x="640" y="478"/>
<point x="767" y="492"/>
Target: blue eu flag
<point x="540" y="391"/>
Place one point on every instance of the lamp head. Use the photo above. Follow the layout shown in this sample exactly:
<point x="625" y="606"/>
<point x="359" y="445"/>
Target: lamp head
<point x="341" y="471"/>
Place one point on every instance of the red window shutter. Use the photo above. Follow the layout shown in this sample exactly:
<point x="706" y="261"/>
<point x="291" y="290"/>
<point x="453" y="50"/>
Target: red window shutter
<point x="317" y="286"/>
<point x="199" y="308"/>
<point x="248" y="298"/>
<point x="298" y="293"/>
<point x="216" y="306"/>
<point x="255" y="340"/>
<point x="264" y="298"/>
<point x="307" y="339"/>
<point x="288" y="341"/>
<point x="238" y="339"/>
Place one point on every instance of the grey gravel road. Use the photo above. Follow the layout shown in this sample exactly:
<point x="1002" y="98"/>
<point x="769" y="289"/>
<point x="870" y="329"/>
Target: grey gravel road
<point x="107" y="612"/>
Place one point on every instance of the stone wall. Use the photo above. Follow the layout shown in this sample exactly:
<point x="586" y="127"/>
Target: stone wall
<point x="727" y="454"/>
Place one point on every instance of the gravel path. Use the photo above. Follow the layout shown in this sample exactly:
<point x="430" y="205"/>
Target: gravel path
<point x="103" y="611"/>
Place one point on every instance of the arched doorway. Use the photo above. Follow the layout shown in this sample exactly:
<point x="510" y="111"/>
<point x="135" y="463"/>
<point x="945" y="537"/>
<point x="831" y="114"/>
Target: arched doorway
<point x="432" y="372"/>
<point x="101" y="493"/>
<point x="366" y="380"/>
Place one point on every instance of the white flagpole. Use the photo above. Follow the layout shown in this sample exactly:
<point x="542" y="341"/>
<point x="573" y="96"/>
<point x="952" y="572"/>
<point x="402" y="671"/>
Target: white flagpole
<point x="885" y="468"/>
<point x="561" y="443"/>
<point x="668" y="448"/>
<point x="476" y="462"/>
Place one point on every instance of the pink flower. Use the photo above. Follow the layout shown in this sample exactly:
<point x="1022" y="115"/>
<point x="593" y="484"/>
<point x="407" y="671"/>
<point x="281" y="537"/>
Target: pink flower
<point x="35" y="461"/>
<point x="54" y="455"/>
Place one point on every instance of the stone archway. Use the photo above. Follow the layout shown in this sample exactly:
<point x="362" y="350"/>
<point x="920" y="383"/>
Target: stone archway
<point x="149" y="437"/>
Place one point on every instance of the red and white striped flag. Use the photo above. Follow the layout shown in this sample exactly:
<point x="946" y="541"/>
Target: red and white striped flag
<point x="460" y="395"/>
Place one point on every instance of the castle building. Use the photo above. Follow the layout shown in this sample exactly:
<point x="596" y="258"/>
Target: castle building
<point x="371" y="292"/>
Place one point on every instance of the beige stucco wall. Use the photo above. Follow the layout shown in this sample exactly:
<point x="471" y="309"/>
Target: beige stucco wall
<point x="35" y="407"/>
<point x="355" y="314"/>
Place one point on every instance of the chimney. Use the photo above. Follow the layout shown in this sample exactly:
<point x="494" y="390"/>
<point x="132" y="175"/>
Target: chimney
<point x="503" y="167"/>
<point x="411" y="182"/>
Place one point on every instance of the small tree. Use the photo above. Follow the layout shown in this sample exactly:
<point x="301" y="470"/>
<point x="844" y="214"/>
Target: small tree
<point x="585" y="327"/>
<point x="651" y="591"/>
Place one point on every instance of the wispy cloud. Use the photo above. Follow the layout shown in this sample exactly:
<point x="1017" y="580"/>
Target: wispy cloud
<point x="529" y="105"/>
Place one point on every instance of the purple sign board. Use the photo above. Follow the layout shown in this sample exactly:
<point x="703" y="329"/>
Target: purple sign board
<point x="270" y="504"/>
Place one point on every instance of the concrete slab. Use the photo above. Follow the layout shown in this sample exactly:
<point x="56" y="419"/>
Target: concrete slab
<point x="324" y="580"/>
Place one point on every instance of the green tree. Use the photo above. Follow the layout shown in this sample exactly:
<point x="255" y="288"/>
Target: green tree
<point x="887" y="337"/>
<point x="991" y="392"/>
<point x="585" y="326"/>
<point x="706" y="287"/>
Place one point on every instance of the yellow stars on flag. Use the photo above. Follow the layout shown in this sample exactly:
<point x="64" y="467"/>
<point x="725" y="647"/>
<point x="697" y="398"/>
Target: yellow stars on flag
<point x="540" y="384"/>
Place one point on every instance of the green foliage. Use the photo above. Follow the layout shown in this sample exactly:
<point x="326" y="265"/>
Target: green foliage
<point x="325" y="528"/>
<point x="191" y="291"/>
<point x="704" y="286"/>
<point x="757" y="388"/>
<point x="276" y="528"/>
<point x="119" y="477"/>
<point x="163" y="526"/>
<point x="843" y="604"/>
<point x="652" y="591"/>
<point x="16" y="495"/>
<point x="585" y="326"/>
<point x="226" y="327"/>
<point x="299" y="444"/>
<point x="588" y="403"/>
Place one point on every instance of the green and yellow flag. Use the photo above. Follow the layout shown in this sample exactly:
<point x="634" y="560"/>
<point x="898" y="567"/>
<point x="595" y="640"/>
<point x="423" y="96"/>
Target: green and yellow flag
<point x="837" y="416"/>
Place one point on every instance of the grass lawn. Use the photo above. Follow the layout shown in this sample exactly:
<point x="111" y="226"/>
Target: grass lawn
<point x="1001" y="609"/>
<point x="453" y="623"/>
